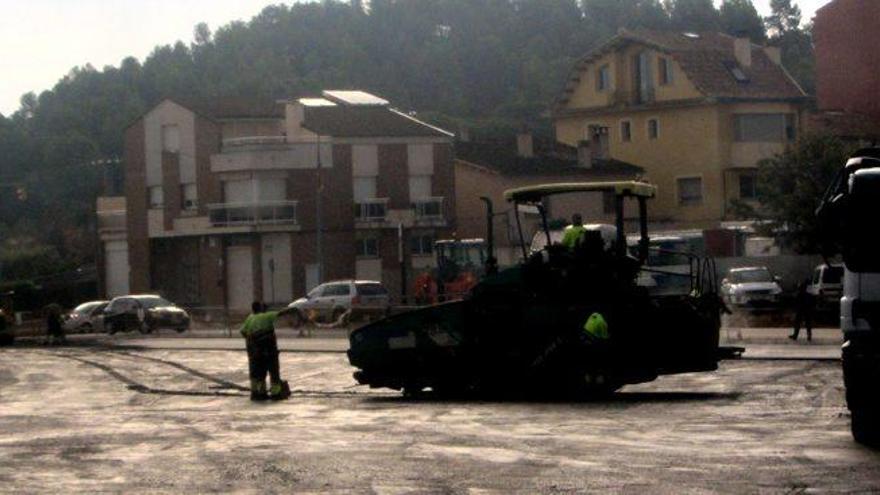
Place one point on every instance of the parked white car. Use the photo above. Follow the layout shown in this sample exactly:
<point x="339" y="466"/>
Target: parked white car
<point x="751" y="286"/>
<point x="328" y="301"/>
<point x="86" y="318"/>
<point x="827" y="284"/>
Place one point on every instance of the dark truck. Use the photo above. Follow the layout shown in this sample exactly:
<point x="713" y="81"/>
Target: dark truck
<point x="524" y="329"/>
<point x="848" y="218"/>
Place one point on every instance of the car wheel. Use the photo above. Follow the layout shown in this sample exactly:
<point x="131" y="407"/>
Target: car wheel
<point x="180" y="329"/>
<point x="866" y="427"/>
<point x="296" y="319"/>
<point x="337" y="313"/>
<point x="111" y="328"/>
<point x="86" y="328"/>
<point x="145" y="327"/>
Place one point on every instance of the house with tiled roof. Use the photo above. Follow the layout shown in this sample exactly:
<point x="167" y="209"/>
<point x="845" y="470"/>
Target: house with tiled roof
<point x="231" y="201"/>
<point x="697" y="111"/>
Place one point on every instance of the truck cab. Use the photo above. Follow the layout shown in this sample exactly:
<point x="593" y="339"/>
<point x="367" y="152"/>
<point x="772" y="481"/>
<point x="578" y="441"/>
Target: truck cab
<point x="848" y="216"/>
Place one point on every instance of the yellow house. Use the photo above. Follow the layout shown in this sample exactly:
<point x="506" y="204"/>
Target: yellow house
<point x="696" y="111"/>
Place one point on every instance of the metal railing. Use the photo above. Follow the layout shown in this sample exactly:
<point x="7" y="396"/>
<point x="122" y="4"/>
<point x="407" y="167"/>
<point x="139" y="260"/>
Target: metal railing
<point x="254" y="213"/>
<point x="254" y="141"/>
<point x="428" y="208"/>
<point x="112" y="221"/>
<point x="371" y="210"/>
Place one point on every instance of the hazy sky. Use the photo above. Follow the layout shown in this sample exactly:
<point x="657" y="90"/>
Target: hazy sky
<point x="41" y="40"/>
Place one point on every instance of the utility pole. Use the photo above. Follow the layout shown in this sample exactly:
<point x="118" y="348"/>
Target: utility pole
<point x="319" y="221"/>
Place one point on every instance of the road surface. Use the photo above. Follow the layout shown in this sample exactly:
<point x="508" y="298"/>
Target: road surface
<point x="93" y="419"/>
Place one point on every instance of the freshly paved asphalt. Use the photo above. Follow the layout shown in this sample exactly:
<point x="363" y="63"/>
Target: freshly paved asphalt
<point x="160" y="414"/>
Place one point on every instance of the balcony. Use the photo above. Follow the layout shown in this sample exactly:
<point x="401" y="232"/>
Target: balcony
<point x="371" y="210"/>
<point x="250" y="214"/>
<point x="248" y="154"/>
<point x="234" y="143"/>
<point x="428" y="210"/>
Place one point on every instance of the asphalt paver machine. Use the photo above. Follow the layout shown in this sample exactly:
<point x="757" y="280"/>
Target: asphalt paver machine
<point x="522" y="330"/>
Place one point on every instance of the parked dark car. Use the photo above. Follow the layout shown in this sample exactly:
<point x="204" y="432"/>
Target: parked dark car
<point x="144" y="313"/>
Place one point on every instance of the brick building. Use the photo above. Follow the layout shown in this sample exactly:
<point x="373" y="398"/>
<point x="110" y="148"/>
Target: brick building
<point x="221" y="202"/>
<point x="845" y="35"/>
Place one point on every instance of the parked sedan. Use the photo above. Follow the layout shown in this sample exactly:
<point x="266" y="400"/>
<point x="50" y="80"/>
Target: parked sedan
<point x="752" y="286"/>
<point x="330" y="300"/>
<point x="86" y="318"/>
<point x="144" y="313"/>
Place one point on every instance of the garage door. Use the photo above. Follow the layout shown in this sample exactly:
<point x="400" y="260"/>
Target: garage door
<point x="116" y="268"/>
<point x="239" y="278"/>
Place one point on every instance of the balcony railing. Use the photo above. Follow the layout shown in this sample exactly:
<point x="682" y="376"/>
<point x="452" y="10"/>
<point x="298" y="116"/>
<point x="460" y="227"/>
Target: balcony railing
<point x="111" y="221"/>
<point x="256" y="213"/>
<point x="428" y="209"/>
<point x="254" y="141"/>
<point x="371" y="210"/>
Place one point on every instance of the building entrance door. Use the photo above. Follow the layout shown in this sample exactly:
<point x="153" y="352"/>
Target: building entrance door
<point x="277" y="271"/>
<point x="239" y="278"/>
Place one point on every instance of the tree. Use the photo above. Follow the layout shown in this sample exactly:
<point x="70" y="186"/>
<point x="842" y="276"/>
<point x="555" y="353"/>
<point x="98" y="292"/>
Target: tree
<point x="739" y="17"/>
<point x="790" y="187"/>
<point x="693" y="15"/>
<point x="784" y="17"/>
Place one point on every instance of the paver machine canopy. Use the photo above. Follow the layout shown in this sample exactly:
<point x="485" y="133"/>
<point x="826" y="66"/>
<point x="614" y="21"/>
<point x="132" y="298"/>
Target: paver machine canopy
<point x="526" y="328"/>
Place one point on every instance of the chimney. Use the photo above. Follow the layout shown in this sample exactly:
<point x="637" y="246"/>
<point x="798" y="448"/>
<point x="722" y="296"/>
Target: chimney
<point x="774" y="53"/>
<point x="742" y="50"/>
<point x="525" y="145"/>
<point x="464" y="134"/>
<point x="585" y="154"/>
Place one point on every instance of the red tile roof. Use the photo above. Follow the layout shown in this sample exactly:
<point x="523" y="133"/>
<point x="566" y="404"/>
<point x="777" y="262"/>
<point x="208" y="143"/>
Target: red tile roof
<point x="706" y="59"/>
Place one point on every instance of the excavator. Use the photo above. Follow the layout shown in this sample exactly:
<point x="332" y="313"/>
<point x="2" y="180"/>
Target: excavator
<point x="529" y="329"/>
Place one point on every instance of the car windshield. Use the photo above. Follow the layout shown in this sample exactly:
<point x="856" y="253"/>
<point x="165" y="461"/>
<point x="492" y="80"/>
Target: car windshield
<point x="833" y="275"/>
<point x="86" y="307"/>
<point x="154" y="302"/>
<point x="749" y="276"/>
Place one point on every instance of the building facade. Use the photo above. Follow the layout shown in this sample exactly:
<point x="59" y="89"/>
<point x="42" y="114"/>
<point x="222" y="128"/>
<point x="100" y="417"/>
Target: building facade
<point x="697" y="111"/>
<point x="845" y="34"/>
<point x="232" y="203"/>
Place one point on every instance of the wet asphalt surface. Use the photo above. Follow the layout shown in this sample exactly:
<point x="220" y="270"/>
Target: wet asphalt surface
<point x="101" y="419"/>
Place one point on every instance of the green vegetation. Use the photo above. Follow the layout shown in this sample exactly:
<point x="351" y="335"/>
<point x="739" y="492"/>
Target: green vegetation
<point x="493" y="65"/>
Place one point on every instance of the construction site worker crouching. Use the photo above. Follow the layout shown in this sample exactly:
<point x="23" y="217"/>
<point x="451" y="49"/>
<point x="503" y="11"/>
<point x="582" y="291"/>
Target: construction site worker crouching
<point x="262" y="349"/>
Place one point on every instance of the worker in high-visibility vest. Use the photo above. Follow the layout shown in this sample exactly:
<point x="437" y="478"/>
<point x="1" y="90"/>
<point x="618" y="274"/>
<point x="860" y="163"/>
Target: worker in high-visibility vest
<point x="574" y="233"/>
<point x="262" y="348"/>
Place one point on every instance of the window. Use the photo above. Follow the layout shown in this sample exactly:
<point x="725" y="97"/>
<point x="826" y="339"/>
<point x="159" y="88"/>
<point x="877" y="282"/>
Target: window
<point x="609" y="202"/>
<point x="665" y="67"/>
<point x="422" y="245"/>
<point x="737" y="72"/>
<point x="334" y="290"/>
<point x="188" y="196"/>
<point x="653" y="128"/>
<point x="364" y="189"/>
<point x="419" y="187"/>
<point x="748" y="186"/>
<point x="764" y="127"/>
<point x="626" y="131"/>
<point x="170" y="138"/>
<point x="603" y="78"/>
<point x="157" y="197"/>
<point x="367" y="247"/>
<point x="371" y="290"/>
<point x="690" y="191"/>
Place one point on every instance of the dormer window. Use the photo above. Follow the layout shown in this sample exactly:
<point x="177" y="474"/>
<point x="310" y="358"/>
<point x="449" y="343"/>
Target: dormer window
<point x="603" y="78"/>
<point x="665" y="68"/>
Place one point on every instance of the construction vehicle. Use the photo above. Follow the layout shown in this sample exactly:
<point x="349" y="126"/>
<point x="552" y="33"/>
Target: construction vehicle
<point x="525" y="329"/>
<point x="848" y="217"/>
<point x="460" y="264"/>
